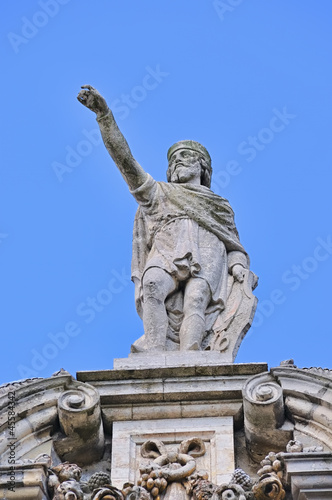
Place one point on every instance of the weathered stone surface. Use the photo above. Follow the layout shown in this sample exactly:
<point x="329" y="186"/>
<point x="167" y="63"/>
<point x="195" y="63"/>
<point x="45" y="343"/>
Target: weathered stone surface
<point x="269" y="487"/>
<point x="158" y="387"/>
<point x="265" y="423"/>
<point x="81" y="438"/>
<point x="177" y="359"/>
<point x="178" y="406"/>
<point x="193" y="286"/>
<point x="216" y="433"/>
<point x="308" y="475"/>
<point x="233" y="369"/>
<point x="28" y="482"/>
<point x="308" y="398"/>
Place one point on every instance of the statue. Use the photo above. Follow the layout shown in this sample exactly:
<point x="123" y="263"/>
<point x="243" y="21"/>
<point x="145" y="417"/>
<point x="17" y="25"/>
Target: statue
<point x="190" y="271"/>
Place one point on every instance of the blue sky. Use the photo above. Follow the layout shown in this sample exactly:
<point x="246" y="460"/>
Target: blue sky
<point x="251" y="80"/>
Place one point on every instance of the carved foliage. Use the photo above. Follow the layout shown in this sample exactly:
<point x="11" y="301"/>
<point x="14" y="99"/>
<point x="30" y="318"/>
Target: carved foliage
<point x="270" y="485"/>
<point x="64" y="482"/>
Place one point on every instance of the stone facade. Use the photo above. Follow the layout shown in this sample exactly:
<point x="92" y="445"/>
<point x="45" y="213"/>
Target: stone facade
<point x="201" y="430"/>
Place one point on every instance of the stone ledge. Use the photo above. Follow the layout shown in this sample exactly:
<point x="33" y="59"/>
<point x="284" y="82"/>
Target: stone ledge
<point x="171" y="384"/>
<point x="229" y="369"/>
<point x="30" y="482"/>
<point x="309" y="475"/>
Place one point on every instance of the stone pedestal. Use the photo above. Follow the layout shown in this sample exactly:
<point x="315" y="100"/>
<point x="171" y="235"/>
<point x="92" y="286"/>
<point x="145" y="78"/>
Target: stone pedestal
<point x="172" y="404"/>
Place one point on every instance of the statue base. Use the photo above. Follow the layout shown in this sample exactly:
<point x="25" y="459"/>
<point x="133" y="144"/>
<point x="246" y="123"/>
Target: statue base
<point x="172" y="359"/>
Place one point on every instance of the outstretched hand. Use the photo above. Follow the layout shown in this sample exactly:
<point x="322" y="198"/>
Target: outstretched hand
<point x="91" y="98"/>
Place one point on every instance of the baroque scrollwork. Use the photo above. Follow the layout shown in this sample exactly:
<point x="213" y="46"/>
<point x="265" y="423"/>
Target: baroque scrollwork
<point x="81" y="437"/>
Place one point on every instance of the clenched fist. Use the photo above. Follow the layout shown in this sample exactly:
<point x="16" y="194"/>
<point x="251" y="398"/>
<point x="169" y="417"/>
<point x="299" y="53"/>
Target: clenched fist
<point x="91" y="98"/>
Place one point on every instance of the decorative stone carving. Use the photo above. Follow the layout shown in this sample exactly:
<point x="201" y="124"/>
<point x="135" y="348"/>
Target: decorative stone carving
<point x="194" y="447"/>
<point x="68" y="490"/>
<point x="229" y="492"/>
<point x="82" y="436"/>
<point x="296" y="446"/>
<point x="269" y="487"/>
<point x="180" y="396"/>
<point x="13" y="386"/>
<point x="288" y="362"/>
<point x="242" y="479"/>
<point x="271" y="465"/>
<point x="109" y="493"/>
<point x="203" y="489"/>
<point x="132" y="492"/>
<point x="64" y="482"/>
<point x="182" y="232"/>
<point x="308" y="399"/>
<point x="99" y="480"/>
<point x="153" y="449"/>
<point x="233" y="323"/>
<point x="264" y="416"/>
<point x="169" y="466"/>
<point x="326" y="372"/>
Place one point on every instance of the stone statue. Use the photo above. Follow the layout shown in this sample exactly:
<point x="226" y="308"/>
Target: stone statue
<point x="186" y="250"/>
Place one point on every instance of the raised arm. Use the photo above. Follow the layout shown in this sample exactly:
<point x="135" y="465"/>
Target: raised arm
<point x="114" y="141"/>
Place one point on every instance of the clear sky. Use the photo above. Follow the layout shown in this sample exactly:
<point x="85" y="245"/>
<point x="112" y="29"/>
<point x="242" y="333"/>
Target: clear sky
<point x="249" y="79"/>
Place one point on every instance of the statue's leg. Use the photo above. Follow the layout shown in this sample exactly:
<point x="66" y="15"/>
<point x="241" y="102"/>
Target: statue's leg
<point x="197" y="296"/>
<point x="157" y="285"/>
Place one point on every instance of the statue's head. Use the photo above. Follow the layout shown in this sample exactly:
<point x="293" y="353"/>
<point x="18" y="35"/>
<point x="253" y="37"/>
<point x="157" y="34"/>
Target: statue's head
<point x="191" y="155"/>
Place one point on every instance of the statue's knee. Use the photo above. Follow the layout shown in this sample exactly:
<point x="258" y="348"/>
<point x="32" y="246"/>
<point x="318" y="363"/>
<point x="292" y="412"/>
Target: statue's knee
<point x="153" y="286"/>
<point x="197" y="298"/>
<point x="150" y="288"/>
<point x="196" y="303"/>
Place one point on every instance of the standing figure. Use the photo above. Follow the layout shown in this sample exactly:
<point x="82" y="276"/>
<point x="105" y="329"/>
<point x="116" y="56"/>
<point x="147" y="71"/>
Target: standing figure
<point x="185" y="243"/>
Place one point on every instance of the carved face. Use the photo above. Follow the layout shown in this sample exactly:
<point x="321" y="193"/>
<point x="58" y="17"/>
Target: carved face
<point x="69" y="490"/>
<point x="185" y="167"/>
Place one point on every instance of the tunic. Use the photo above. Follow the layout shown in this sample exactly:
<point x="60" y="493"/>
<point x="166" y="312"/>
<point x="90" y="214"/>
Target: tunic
<point x="188" y="231"/>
